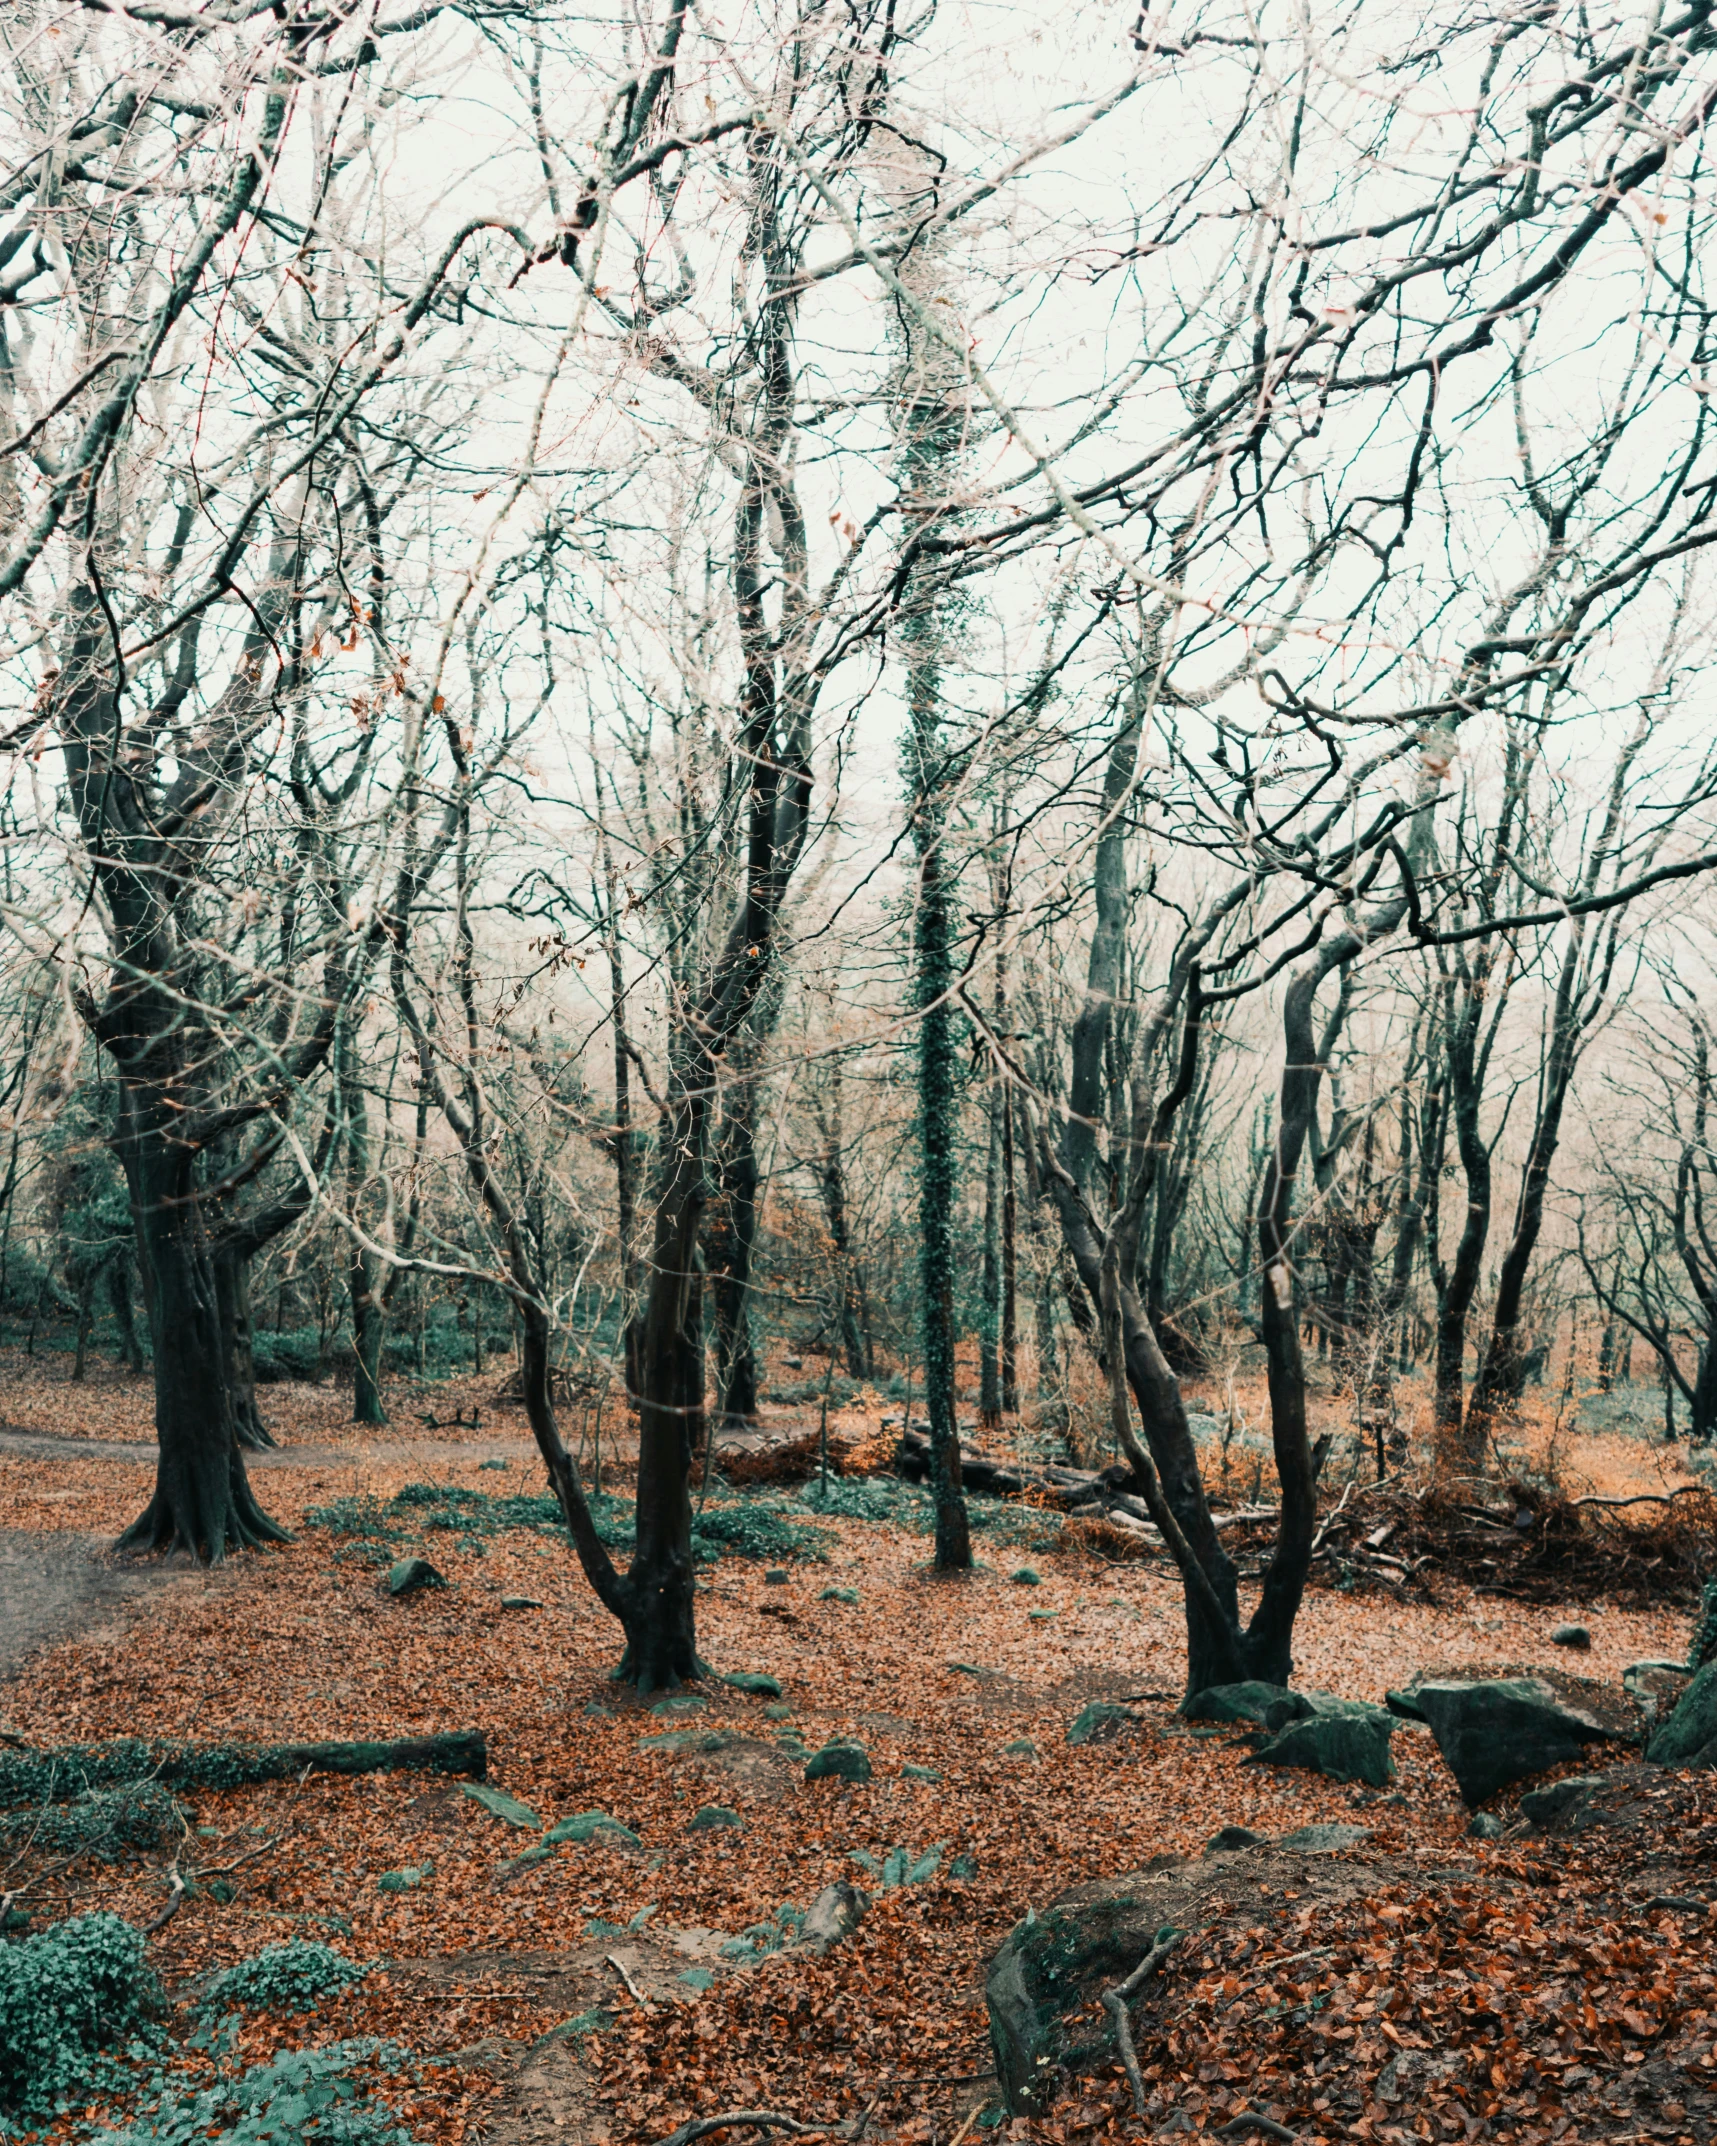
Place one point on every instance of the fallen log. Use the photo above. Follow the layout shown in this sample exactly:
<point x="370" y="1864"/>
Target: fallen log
<point x="35" y="1777"/>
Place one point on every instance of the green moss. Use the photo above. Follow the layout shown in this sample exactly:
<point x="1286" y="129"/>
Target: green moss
<point x="65" y="1996"/>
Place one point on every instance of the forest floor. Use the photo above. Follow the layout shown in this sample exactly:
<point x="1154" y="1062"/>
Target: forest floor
<point x="1424" y="1985"/>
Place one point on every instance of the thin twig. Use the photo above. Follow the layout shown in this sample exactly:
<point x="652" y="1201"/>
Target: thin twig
<point x="1116" y="2001"/>
<point x="219" y="1870"/>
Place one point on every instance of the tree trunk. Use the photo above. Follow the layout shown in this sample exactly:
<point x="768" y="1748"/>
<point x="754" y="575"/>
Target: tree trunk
<point x="731" y="1241"/>
<point x="232" y="1296"/>
<point x="1010" y="1260"/>
<point x="119" y="1299"/>
<point x="203" y="1502"/>
<point x="990" y="1333"/>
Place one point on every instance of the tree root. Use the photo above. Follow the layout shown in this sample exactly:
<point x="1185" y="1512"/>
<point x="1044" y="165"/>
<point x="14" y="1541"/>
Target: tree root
<point x="757" y="2119"/>
<point x="1116" y="2002"/>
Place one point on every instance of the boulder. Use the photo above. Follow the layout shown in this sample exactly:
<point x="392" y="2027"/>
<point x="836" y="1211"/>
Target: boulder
<point x="1041" y="1983"/>
<point x="838" y="1762"/>
<point x="1344" y="1747"/>
<point x="1689" y="1736"/>
<point x="1242" y="1702"/>
<point x="754" y="1681"/>
<point x="589" y="1826"/>
<point x="713" y="1818"/>
<point x="1484" y="1825"/>
<point x="1022" y="1747"/>
<point x="1099" y="1723"/>
<point x="403" y="1881"/>
<point x="501" y="1805"/>
<point x="1545" y="1807"/>
<point x="1503" y="1730"/>
<point x="1232" y="1839"/>
<point x="836" y="1913"/>
<point x="411" y="1575"/>
<point x="1571" y="1635"/>
<point x="1324" y="1840"/>
<point x="1025" y="1577"/>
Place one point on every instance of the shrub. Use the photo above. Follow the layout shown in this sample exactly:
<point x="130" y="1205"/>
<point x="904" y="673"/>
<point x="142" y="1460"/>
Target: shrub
<point x="301" y="2094"/>
<point x="64" y="1995"/>
<point x="290" y="1977"/>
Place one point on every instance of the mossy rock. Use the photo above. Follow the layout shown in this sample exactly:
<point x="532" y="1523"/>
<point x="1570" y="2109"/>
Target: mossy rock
<point x="499" y="1804"/>
<point x="1503" y="1729"/>
<point x="715" y="1818"/>
<point x="1100" y="1723"/>
<point x="838" y="1762"/>
<point x="1689" y="1736"/>
<point x="1343" y="1747"/>
<point x="411" y="1575"/>
<point x="1041" y="1983"/>
<point x="753" y="1681"/>
<point x="588" y="1826"/>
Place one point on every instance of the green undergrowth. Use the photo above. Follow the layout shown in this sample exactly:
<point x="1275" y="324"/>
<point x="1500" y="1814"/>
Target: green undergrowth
<point x="136" y="1814"/>
<point x="887" y="1501"/>
<point x="293" y="1976"/>
<point x="756" y="1528"/>
<point x="326" y="2096"/>
<point x="68" y="1996"/>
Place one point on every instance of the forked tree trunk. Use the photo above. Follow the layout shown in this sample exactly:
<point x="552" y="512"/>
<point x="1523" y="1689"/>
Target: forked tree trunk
<point x="203" y="1502"/>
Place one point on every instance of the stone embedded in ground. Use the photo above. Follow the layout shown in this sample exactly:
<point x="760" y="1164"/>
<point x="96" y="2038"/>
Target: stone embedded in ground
<point x="1546" y="1806"/>
<point x="403" y="1881"/>
<point x="921" y="1773"/>
<point x="777" y="1713"/>
<point x="1324" y="1840"/>
<point x="838" y="1762"/>
<point x="1344" y="1747"/>
<point x="1250" y="1701"/>
<point x="1100" y="1723"/>
<point x="501" y="1805"/>
<point x="704" y="1740"/>
<point x="1234" y="1838"/>
<point x="1505" y="1729"/>
<point x="588" y="1826"/>
<point x="752" y="1681"/>
<point x="848" y="1595"/>
<point x="776" y="1576"/>
<point x="1021" y="1748"/>
<point x="1689" y="1736"/>
<point x="1486" y="1825"/>
<point x="1025" y="1577"/>
<point x="835" y="1914"/>
<point x="520" y="1602"/>
<point x="412" y="1574"/>
<point x="1571" y="1635"/>
<point x="1050" y="1967"/>
<point x="681" y="1703"/>
<point x="713" y="1817"/>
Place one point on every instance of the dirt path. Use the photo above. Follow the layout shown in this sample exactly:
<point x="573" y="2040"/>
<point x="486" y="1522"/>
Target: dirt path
<point x="53" y="1586"/>
<point x="43" y="1445"/>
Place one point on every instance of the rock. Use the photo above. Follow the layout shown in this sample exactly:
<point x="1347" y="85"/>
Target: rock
<point x="838" y="1762"/>
<point x="776" y="1576"/>
<point x="498" y="1466"/>
<point x="848" y="1595"/>
<point x="681" y="1703"/>
<point x="1324" y="1840"/>
<point x="1403" y="1704"/>
<point x="1021" y="1748"/>
<point x="713" y="1817"/>
<point x="1041" y="1983"/>
<point x="1243" y="1702"/>
<point x="588" y="1826"/>
<point x="519" y="1601"/>
<point x="777" y="1713"/>
<point x="1485" y="1825"/>
<point x="836" y="1913"/>
<point x="1501" y="1731"/>
<point x="1100" y="1723"/>
<point x="1544" y="1806"/>
<point x="754" y="1681"/>
<point x="1025" y="1577"/>
<point x="920" y="1773"/>
<point x="702" y="1740"/>
<point x="1345" y="1747"/>
<point x="403" y="1881"/>
<point x="411" y="1575"/>
<point x="497" y="1801"/>
<point x="1232" y="1839"/>
<point x="1689" y="1736"/>
<point x="1571" y="1635"/>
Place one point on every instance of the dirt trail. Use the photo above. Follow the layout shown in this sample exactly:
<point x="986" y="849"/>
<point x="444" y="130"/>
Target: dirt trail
<point x="44" y="1445"/>
<point x="54" y="1586"/>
